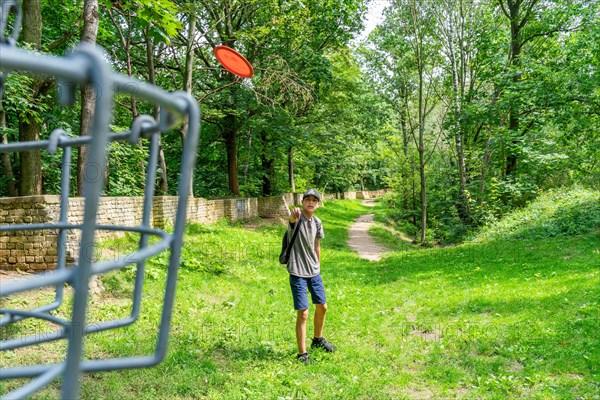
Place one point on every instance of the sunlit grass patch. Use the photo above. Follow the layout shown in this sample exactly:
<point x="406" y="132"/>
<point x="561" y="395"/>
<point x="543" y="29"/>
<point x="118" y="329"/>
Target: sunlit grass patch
<point x="499" y="319"/>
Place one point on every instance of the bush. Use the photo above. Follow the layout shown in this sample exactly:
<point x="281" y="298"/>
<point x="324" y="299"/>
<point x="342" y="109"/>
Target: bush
<point x="557" y="212"/>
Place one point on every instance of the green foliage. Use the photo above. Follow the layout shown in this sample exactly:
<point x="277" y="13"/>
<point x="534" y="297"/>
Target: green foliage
<point x="19" y="98"/>
<point x="290" y="45"/>
<point x="158" y="15"/>
<point x="162" y="15"/>
<point x="548" y="91"/>
<point x="126" y="166"/>
<point x="348" y="111"/>
<point x="61" y="25"/>
<point x="560" y="212"/>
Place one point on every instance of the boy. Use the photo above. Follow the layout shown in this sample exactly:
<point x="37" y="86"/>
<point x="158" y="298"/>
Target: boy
<point x="304" y="267"/>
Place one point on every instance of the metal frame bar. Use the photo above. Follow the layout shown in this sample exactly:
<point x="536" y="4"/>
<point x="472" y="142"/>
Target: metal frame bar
<point x="87" y="66"/>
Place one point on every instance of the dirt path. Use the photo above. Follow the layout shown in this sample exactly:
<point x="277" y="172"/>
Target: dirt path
<point x="359" y="239"/>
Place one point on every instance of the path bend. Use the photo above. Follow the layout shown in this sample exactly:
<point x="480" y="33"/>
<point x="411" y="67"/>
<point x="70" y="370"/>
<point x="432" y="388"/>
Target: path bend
<point x="362" y="242"/>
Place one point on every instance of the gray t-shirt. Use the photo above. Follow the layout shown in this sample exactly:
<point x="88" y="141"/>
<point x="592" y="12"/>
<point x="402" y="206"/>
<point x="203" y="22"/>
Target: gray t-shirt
<point x="303" y="257"/>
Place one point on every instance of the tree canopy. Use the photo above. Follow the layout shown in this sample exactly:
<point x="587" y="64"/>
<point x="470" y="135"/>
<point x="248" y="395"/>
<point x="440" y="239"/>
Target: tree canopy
<point x="466" y="108"/>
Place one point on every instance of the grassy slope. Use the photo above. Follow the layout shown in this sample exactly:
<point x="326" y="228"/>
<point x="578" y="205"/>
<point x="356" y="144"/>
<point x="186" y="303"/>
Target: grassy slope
<point x="494" y="320"/>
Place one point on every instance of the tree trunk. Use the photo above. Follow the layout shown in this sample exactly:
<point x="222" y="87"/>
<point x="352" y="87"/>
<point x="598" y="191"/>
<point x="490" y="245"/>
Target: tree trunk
<point x="518" y="13"/>
<point x="417" y="26"/>
<point x="423" y="198"/>
<point x="30" y="182"/>
<point x="127" y="46"/>
<point x="230" y="136"/>
<point x="513" y="118"/>
<point x="88" y="95"/>
<point x="462" y="205"/>
<point x="249" y="157"/>
<point x="484" y="165"/>
<point x="421" y="144"/>
<point x="423" y="187"/>
<point x="405" y="168"/>
<point x="291" y="169"/>
<point x="451" y="22"/>
<point x="268" y="166"/>
<point x="187" y="80"/>
<point x="6" y="162"/>
<point x="414" y="192"/>
<point x="230" y="129"/>
<point x="162" y="180"/>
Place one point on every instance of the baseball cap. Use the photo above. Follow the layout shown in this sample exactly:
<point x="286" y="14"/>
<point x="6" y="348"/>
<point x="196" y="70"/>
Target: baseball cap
<point x="311" y="192"/>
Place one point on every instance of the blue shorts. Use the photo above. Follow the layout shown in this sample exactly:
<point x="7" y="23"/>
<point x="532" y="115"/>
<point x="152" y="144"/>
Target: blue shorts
<point x="314" y="285"/>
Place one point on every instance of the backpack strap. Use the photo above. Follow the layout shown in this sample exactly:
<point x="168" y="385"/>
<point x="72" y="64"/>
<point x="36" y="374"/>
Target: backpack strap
<point x="294" y="235"/>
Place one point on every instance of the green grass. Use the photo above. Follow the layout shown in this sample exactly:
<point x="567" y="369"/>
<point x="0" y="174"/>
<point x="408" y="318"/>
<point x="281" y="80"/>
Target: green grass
<point x="390" y="238"/>
<point x="559" y="212"/>
<point x="495" y="319"/>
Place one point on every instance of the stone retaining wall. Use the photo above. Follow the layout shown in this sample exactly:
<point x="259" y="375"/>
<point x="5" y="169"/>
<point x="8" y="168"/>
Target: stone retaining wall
<point x="37" y="249"/>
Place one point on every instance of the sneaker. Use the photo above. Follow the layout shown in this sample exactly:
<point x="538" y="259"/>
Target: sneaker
<point x="321" y="343"/>
<point x="304" y="358"/>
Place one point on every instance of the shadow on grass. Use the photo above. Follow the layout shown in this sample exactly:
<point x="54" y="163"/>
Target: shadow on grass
<point x="254" y="352"/>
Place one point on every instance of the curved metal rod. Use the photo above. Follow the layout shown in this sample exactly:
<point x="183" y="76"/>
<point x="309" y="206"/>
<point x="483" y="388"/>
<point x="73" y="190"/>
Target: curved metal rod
<point x="56" y="137"/>
<point x="135" y="257"/>
<point x="42" y="280"/>
<point x="34" y="314"/>
<point x="7" y="6"/>
<point x="9" y="318"/>
<point x="111" y="364"/>
<point x="70" y="141"/>
<point x="143" y="90"/>
<point x="23" y="341"/>
<point x="27" y="390"/>
<point x="75" y="70"/>
<point x="143" y="124"/>
<point x="187" y="166"/>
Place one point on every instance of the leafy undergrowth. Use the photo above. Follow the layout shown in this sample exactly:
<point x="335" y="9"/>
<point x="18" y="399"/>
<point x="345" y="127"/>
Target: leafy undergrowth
<point x="554" y="213"/>
<point x="492" y="320"/>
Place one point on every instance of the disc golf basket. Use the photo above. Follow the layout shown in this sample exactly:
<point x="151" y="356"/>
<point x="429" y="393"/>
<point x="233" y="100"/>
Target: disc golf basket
<point x="87" y="65"/>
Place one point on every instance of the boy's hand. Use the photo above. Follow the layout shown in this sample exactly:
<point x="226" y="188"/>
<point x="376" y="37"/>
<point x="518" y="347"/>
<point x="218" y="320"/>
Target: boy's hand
<point x="295" y="216"/>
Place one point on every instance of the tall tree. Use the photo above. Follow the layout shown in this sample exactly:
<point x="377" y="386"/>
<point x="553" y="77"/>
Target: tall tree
<point x="188" y="69"/>
<point x="417" y="31"/>
<point x="519" y="13"/>
<point x="144" y="29"/>
<point x="6" y="161"/>
<point x="390" y="70"/>
<point x="529" y="20"/>
<point x="287" y="42"/>
<point x="88" y="96"/>
<point x="456" y="22"/>
<point x="30" y="124"/>
<point x="162" y="164"/>
<point x="221" y="22"/>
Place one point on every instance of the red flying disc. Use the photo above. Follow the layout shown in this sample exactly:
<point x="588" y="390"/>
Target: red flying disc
<point x="233" y="61"/>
